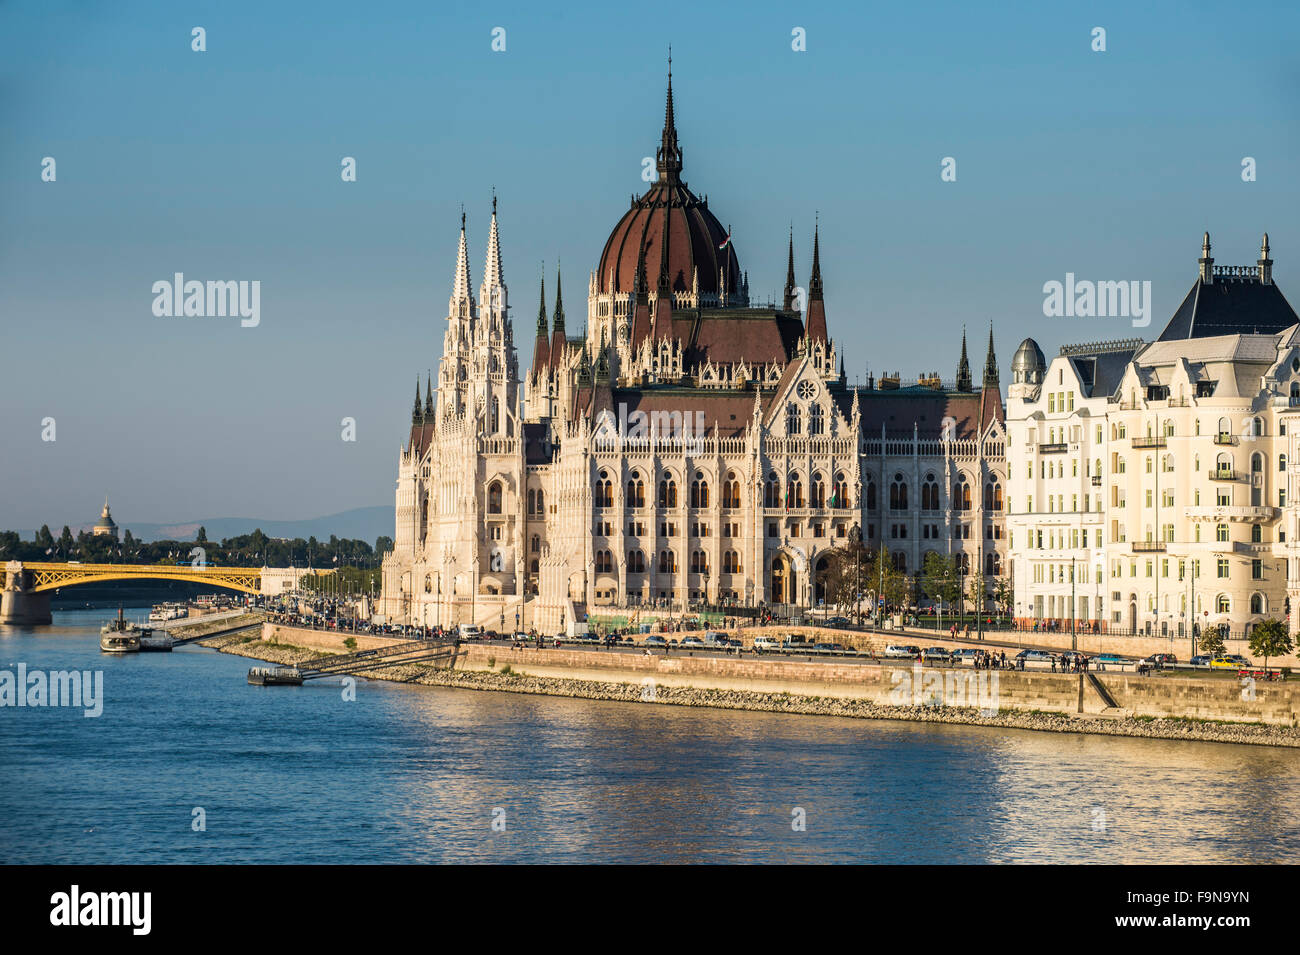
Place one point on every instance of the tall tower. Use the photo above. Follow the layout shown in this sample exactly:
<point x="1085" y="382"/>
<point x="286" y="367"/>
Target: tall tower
<point x="494" y="372"/>
<point x="454" y="367"/>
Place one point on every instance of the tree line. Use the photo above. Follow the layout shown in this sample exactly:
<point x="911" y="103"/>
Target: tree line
<point x="247" y="550"/>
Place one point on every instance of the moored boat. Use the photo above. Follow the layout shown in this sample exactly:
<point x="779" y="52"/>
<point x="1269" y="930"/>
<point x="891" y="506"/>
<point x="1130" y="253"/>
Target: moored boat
<point x="275" y="676"/>
<point x="121" y="635"/>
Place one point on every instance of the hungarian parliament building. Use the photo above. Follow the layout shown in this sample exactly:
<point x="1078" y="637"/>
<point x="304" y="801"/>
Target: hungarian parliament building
<point x="685" y="445"/>
<point x="688" y="445"/>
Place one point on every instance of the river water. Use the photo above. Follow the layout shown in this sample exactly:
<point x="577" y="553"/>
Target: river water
<point x="420" y="774"/>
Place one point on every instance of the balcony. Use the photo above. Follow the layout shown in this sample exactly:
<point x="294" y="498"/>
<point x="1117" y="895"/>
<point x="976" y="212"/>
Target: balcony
<point x="1096" y="480"/>
<point x="1242" y="513"/>
<point x="1149" y="547"/>
<point x="1225" y="439"/>
<point x="1143" y="443"/>
<point x="1252" y="549"/>
<point x="1224" y="474"/>
<point x="1052" y="448"/>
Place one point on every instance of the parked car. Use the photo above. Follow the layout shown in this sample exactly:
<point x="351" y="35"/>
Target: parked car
<point x="1200" y="661"/>
<point x="1103" y="660"/>
<point x="654" y="640"/>
<point x="839" y="622"/>
<point x="1035" y="656"/>
<point x="469" y="633"/>
<point x="936" y="655"/>
<point x="793" y="641"/>
<point x="899" y="651"/>
<point x="764" y="643"/>
<point x="964" y="655"/>
<point x="692" y="641"/>
<point x="1161" y="659"/>
<point x="1232" y="661"/>
<point x="832" y="648"/>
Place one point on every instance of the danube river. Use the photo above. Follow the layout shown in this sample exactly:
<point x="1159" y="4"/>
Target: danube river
<point x="187" y="763"/>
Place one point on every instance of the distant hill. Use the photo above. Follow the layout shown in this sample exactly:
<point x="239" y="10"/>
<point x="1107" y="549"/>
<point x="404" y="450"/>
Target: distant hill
<point x="360" y="523"/>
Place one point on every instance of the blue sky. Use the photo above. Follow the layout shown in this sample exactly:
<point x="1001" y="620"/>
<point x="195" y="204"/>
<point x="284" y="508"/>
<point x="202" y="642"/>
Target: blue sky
<point x="225" y="165"/>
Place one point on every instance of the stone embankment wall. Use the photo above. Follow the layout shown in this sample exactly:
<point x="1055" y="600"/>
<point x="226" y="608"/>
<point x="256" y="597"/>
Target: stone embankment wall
<point x="1162" y="696"/>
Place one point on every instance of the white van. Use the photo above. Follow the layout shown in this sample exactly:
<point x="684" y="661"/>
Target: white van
<point x="467" y="632"/>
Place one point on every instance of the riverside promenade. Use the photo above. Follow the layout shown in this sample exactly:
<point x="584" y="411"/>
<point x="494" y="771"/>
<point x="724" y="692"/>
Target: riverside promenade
<point x="1164" y="705"/>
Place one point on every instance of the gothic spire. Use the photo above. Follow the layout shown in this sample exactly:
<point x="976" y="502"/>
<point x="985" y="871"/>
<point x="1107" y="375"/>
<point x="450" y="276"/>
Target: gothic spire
<point x="815" y="324"/>
<point x="428" y="394"/>
<point x="963" y="366"/>
<point x="559" y="303"/>
<point x="492" y="272"/>
<point x="558" y="341"/>
<point x="669" y="156"/>
<point x="462" y="302"/>
<point x="542" y="329"/>
<point x="991" y="363"/>
<point x="789" y="275"/>
<point x="415" y="414"/>
<point x="541" y="348"/>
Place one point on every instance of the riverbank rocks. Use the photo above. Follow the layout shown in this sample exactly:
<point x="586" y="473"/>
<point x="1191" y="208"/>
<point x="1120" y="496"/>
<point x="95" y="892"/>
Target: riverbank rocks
<point x="509" y="682"/>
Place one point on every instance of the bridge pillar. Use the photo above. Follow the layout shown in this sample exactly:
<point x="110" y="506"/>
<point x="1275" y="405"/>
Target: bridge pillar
<point x="18" y="603"/>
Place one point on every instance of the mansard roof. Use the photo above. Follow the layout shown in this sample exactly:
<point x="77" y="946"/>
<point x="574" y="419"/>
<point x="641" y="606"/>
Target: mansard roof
<point x="728" y="336"/>
<point x="1230" y="305"/>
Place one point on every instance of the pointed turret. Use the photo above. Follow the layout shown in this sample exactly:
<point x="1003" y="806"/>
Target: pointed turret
<point x="428" y="394"/>
<point x="542" y="347"/>
<point x="789" y="276"/>
<point x="558" y="341"/>
<point x="815" y="324"/>
<point x="415" y="414"/>
<point x="1265" y="263"/>
<point x="963" y="366"/>
<point x="663" y="314"/>
<point x="462" y="301"/>
<point x="991" y="363"/>
<point x="1205" y="262"/>
<point x="641" y="303"/>
<point x="493" y="294"/>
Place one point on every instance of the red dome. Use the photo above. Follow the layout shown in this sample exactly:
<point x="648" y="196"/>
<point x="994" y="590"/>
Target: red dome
<point x="694" y="234"/>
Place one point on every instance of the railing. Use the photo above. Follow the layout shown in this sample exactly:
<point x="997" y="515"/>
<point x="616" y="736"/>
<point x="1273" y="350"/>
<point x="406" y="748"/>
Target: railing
<point x="1096" y="480"/>
<point x="1052" y="448"/>
<point x="1149" y="547"/>
<point x="1225" y="439"/>
<point x="1224" y="474"/>
<point x="1155" y="442"/>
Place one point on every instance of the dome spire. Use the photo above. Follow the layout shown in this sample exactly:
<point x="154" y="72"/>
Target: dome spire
<point x="428" y="394"/>
<point x="815" y="285"/>
<point x="815" y="320"/>
<point x="415" y="414"/>
<point x="669" y="157"/>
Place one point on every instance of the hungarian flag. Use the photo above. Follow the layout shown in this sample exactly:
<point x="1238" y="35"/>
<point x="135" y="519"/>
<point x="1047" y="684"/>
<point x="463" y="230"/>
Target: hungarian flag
<point x="727" y="241"/>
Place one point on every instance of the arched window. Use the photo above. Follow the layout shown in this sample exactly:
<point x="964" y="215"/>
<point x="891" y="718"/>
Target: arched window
<point x="699" y="562"/>
<point x="635" y="491"/>
<point x="993" y="495"/>
<point x="772" y="491"/>
<point x="817" y="492"/>
<point x="667" y="562"/>
<point x="535" y="545"/>
<point x="840" y="496"/>
<point x="667" y="493"/>
<point x="1222" y="604"/>
<point x="541" y="504"/>
<point x="730" y="562"/>
<point x="731" y="491"/>
<point x="963" y="563"/>
<point x="792" y="419"/>
<point x="494" y="419"/>
<point x="900" y="561"/>
<point x="635" y="562"/>
<point x="871" y="495"/>
<point x="494" y="497"/>
<point x="604" y="490"/>
<point x="961" y="494"/>
<point x="929" y="494"/>
<point x="700" y="492"/>
<point x="604" y="562"/>
<point x="815" y="422"/>
<point x="898" y="494"/>
<point x="1257" y="464"/>
<point x="1257" y="427"/>
<point x="532" y="501"/>
<point x="428" y="583"/>
<point x="794" y="493"/>
<point x="1256" y="603"/>
<point x="532" y="566"/>
<point x="1281" y="462"/>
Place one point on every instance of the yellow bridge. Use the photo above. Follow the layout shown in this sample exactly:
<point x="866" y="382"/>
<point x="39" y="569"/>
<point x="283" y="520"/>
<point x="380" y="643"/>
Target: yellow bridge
<point x="35" y="577"/>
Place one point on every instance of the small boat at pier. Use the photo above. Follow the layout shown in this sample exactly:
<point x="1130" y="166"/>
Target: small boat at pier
<point x="121" y="635"/>
<point x="275" y="676"/>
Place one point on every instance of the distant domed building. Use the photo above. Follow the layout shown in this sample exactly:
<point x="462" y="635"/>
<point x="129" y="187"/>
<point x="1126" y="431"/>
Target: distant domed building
<point x="106" y="526"/>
